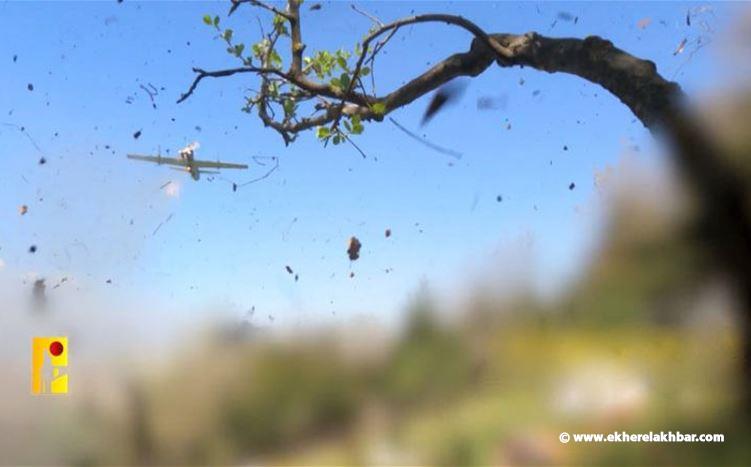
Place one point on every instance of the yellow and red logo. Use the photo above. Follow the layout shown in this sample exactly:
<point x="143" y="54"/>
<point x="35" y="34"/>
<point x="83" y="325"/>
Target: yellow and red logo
<point x="49" y="358"/>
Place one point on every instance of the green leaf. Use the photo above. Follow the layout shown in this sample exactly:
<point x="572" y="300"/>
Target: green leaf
<point x="342" y="62"/>
<point x="344" y="79"/>
<point x="216" y="21"/>
<point x="379" y="108"/>
<point x="337" y="139"/>
<point x="227" y="35"/>
<point x="323" y="132"/>
<point x="276" y="60"/>
<point x="289" y="107"/>
<point x="357" y="127"/>
<point x="207" y="19"/>
<point x="239" y="49"/>
<point x="364" y="71"/>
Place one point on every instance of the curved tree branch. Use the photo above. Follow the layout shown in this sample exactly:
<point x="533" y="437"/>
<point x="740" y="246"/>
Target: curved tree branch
<point x="657" y="102"/>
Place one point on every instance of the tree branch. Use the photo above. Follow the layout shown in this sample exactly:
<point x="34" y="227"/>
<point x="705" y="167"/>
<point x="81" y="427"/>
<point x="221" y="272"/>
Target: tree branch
<point x="293" y="6"/>
<point x="236" y="4"/>
<point x="500" y="51"/>
<point x="201" y="74"/>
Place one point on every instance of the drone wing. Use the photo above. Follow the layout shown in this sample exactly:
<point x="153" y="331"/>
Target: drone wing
<point x="158" y="159"/>
<point x="218" y="165"/>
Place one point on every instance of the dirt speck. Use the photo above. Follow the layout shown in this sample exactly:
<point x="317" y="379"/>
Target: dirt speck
<point x="353" y="251"/>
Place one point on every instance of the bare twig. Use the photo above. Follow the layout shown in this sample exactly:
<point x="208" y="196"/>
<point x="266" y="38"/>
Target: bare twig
<point x="222" y="73"/>
<point x="265" y="175"/>
<point x="25" y="133"/>
<point x="266" y="6"/>
<point x="161" y="224"/>
<point x="370" y="16"/>
<point x="349" y="140"/>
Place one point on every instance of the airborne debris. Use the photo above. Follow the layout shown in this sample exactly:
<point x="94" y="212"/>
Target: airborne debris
<point x="435" y="147"/>
<point x="289" y="270"/>
<point x="388" y="233"/>
<point x="446" y="94"/>
<point x="353" y="251"/>
<point x="161" y="224"/>
<point x="499" y="198"/>
<point x="23" y="209"/>
<point x="572" y="186"/>
<point x="33" y="249"/>
<point x="137" y="134"/>
<point x="151" y="91"/>
<point x="491" y="102"/>
<point x="30" y="87"/>
<point x="565" y="16"/>
<point x="37" y="293"/>
<point x="565" y="148"/>
<point x="15" y="58"/>
<point x="681" y="46"/>
<point x="644" y="23"/>
<point x="315" y="7"/>
<point x="351" y="275"/>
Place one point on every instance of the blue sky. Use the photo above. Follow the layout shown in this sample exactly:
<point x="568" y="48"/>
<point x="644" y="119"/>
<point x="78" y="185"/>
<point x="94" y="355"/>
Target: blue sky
<point x="219" y="249"/>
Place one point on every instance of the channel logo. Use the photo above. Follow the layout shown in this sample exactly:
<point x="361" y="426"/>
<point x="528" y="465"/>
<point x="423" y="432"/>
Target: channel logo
<point x="49" y="360"/>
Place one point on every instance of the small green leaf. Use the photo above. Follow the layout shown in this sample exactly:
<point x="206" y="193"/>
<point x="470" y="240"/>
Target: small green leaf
<point x="227" y="35"/>
<point x="344" y="79"/>
<point x="379" y="108"/>
<point x="364" y="71"/>
<point x="216" y="21"/>
<point x="289" y="107"/>
<point x="207" y="19"/>
<point x="337" y="139"/>
<point x="323" y="132"/>
<point x="276" y="60"/>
